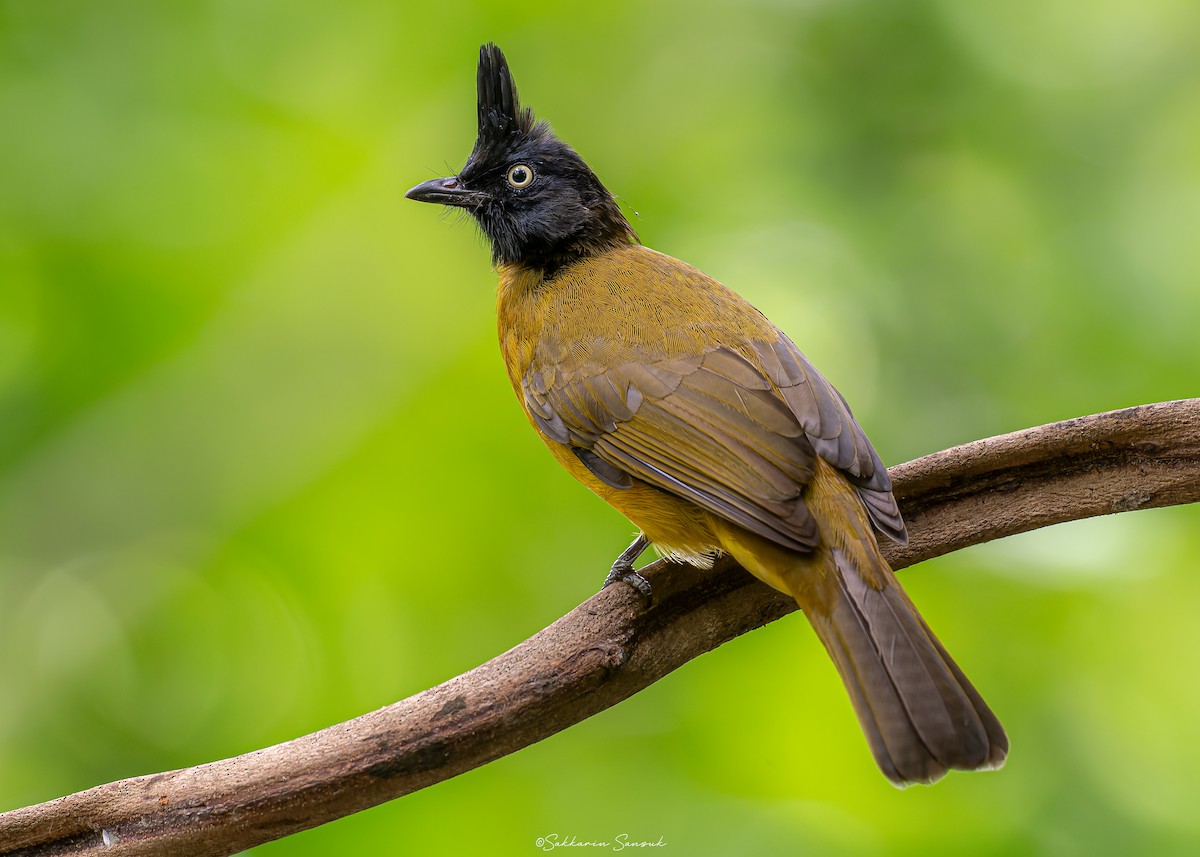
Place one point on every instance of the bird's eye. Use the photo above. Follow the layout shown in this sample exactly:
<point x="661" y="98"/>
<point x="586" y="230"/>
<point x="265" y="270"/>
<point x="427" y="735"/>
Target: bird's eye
<point x="520" y="176"/>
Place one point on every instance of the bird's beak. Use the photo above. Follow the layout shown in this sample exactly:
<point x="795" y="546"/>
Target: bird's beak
<point x="446" y="192"/>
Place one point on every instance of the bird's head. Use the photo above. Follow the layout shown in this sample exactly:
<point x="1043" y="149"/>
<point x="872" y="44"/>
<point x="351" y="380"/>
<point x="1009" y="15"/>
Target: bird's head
<point x="535" y="199"/>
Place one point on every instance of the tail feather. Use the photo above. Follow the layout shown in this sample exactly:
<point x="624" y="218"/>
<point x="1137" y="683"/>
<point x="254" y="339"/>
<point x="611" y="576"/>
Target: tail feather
<point x="921" y="715"/>
<point x="997" y="737"/>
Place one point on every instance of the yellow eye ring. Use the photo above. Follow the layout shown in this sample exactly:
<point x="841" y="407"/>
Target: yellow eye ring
<point x="520" y="175"/>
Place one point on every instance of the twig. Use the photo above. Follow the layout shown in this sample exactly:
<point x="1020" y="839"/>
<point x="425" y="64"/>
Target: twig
<point x="607" y="649"/>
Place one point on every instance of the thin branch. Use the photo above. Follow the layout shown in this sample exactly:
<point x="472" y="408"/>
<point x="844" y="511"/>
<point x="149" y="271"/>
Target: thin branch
<point x="607" y="649"/>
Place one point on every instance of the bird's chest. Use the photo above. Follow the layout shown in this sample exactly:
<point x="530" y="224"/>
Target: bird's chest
<point x="605" y="321"/>
<point x="570" y="327"/>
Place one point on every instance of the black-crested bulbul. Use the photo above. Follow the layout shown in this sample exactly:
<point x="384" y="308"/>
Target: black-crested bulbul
<point x="681" y="405"/>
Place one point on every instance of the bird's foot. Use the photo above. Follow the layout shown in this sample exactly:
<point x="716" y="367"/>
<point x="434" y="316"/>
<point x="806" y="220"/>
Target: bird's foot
<point x="623" y="569"/>
<point x="630" y="575"/>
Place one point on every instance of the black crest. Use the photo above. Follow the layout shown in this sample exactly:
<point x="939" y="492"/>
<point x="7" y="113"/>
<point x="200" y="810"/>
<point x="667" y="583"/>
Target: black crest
<point x="504" y="124"/>
<point x="500" y="112"/>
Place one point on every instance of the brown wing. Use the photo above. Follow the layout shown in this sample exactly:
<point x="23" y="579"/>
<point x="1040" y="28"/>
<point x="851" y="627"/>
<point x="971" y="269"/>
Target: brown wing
<point x="834" y="433"/>
<point x="714" y="430"/>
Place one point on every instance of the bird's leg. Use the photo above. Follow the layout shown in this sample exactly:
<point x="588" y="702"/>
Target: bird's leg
<point x="622" y="569"/>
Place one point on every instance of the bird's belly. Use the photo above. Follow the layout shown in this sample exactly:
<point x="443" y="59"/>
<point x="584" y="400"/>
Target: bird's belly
<point x="674" y="526"/>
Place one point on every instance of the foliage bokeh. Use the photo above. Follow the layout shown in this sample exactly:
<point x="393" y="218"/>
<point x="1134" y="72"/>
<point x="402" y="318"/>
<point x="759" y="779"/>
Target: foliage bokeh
<point x="261" y="471"/>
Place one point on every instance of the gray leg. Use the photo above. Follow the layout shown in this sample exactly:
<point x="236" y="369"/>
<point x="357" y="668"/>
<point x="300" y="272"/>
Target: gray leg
<point x="622" y="569"/>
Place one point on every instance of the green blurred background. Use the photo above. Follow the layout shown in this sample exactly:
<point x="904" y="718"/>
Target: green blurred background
<point x="261" y="471"/>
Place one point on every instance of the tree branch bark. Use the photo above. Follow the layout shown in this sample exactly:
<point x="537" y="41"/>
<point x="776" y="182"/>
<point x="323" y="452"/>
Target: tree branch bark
<point x="607" y="649"/>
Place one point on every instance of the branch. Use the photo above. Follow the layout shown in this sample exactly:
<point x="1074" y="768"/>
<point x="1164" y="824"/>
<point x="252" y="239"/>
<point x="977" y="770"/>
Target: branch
<point x="607" y="649"/>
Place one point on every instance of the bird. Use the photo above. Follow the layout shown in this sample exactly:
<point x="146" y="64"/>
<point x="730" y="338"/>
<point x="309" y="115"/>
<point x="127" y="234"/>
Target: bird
<point x="681" y="405"/>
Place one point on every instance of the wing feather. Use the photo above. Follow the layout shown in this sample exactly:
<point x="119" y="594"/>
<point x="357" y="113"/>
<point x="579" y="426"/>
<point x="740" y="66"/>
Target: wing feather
<point x="835" y="434"/>
<point x="735" y="435"/>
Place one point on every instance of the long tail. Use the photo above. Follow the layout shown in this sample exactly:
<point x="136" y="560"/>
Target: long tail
<point x="921" y="715"/>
